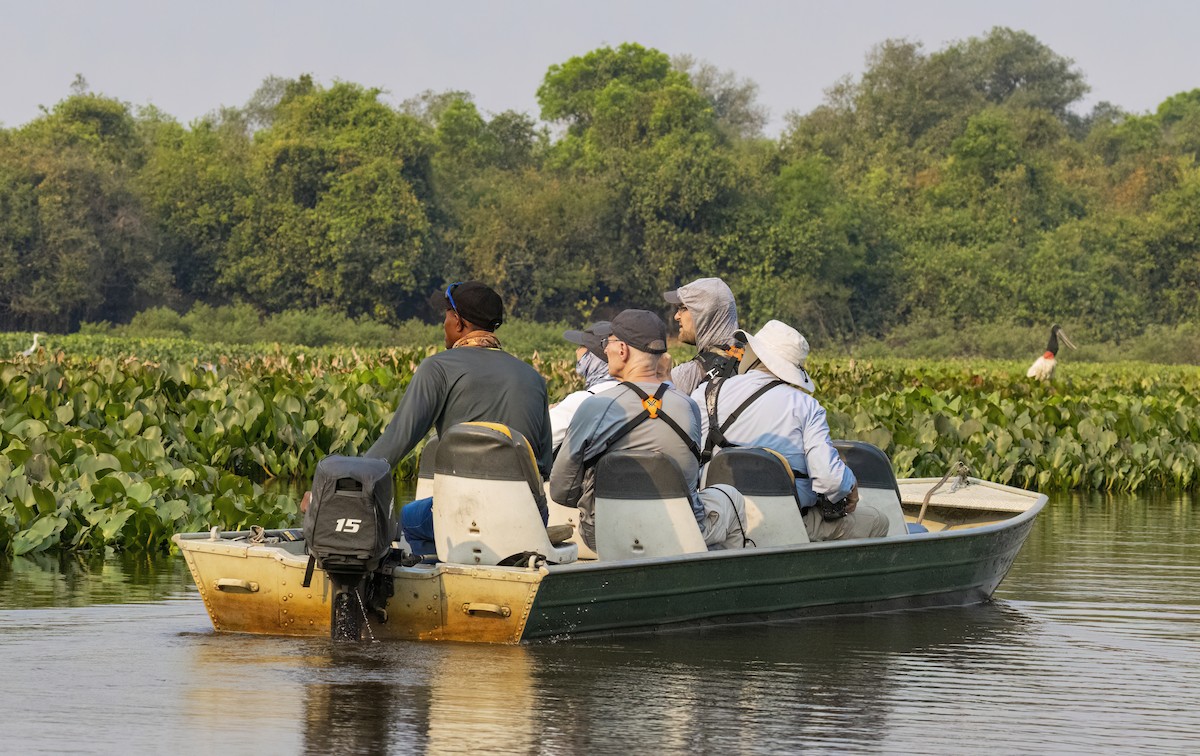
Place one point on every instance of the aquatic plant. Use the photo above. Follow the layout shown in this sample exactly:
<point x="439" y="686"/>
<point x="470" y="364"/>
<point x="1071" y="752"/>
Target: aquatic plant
<point x="119" y="443"/>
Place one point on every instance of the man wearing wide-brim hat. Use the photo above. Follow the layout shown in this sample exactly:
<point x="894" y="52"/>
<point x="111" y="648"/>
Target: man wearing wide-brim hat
<point x="774" y="392"/>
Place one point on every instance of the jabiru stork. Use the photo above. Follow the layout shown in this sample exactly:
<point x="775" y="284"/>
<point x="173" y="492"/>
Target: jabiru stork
<point x="1043" y="367"/>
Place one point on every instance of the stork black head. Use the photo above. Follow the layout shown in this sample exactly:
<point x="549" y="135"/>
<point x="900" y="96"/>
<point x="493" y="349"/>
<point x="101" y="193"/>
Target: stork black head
<point x="1056" y="331"/>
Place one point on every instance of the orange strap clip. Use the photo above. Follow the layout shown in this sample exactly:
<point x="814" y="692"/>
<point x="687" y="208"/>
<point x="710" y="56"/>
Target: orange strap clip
<point x="737" y="352"/>
<point x="652" y="406"/>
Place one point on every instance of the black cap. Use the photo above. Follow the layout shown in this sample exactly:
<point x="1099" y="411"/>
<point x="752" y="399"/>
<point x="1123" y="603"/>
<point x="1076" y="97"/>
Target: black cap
<point x="588" y="338"/>
<point x="477" y="303"/>
<point x="641" y="329"/>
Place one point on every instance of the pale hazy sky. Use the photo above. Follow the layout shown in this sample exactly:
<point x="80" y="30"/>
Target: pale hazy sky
<point x="189" y="58"/>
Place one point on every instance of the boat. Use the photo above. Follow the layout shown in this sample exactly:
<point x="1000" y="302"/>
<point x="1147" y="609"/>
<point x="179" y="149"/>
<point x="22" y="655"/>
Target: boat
<point x="951" y="541"/>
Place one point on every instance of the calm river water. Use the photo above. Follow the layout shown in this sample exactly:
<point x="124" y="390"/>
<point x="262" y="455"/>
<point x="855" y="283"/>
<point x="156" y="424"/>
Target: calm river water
<point x="1092" y="645"/>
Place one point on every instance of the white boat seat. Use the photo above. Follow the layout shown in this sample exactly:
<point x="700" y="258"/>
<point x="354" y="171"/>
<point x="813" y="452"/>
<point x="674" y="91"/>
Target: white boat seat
<point x="486" y="489"/>
<point x="425" y="469"/>
<point x="643" y="507"/>
<point x="765" y="480"/>
<point x="877" y="486"/>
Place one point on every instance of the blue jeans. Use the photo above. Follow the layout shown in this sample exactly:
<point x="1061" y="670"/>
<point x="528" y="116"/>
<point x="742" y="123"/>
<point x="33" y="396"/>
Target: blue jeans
<point x="416" y="521"/>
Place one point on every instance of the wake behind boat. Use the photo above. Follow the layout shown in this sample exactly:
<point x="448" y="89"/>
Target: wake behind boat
<point x="969" y="534"/>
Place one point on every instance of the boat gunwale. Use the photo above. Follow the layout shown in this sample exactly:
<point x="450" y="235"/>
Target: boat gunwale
<point x="1017" y="519"/>
<point x="1040" y="500"/>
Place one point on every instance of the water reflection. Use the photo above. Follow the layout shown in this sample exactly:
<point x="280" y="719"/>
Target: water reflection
<point x="760" y="689"/>
<point x="60" y="580"/>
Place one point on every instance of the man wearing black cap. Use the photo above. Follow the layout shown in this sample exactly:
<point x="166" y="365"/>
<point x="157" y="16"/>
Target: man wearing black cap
<point x="634" y="343"/>
<point x="592" y="364"/>
<point x="707" y="317"/>
<point x="473" y="381"/>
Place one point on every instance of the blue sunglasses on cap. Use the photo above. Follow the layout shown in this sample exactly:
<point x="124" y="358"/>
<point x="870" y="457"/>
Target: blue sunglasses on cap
<point x="450" y="297"/>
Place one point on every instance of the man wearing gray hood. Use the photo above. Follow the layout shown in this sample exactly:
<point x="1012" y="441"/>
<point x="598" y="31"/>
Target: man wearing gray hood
<point x="707" y="317"/>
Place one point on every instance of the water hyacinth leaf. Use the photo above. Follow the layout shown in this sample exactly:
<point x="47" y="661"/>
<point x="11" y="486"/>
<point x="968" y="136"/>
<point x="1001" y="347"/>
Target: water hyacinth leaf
<point x="43" y="499"/>
<point x="41" y="535"/>
<point x="112" y="524"/>
<point x="17" y="454"/>
<point x="132" y="423"/>
<point x="139" y="492"/>
<point x="98" y="463"/>
<point x="109" y="488"/>
<point x="969" y="428"/>
<point x="18" y="389"/>
<point x="29" y="429"/>
<point x="36" y="404"/>
<point x="173" y="509"/>
<point x="880" y="437"/>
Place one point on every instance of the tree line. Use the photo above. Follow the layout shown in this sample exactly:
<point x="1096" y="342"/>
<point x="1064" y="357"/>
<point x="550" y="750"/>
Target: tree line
<point x="954" y="187"/>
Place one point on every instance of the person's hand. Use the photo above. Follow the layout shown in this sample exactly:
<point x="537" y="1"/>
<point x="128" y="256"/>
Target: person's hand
<point x="305" y="500"/>
<point x="852" y="499"/>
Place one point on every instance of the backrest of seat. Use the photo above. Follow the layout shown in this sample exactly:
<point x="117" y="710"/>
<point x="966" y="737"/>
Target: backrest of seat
<point x="485" y="490"/>
<point x="877" y="486"/>
<point x="765" y="480"/>
<point x="643" y="507"/>
<point x="425" y="469"/>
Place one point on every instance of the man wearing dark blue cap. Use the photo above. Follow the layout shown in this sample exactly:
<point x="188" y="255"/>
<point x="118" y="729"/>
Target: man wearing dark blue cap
<point x="592" y="364"/>
<point x="634" y="343"/>
<point x="474" y="380"/>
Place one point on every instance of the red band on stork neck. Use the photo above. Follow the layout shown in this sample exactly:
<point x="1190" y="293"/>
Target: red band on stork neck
<point x="1049" y="355"/>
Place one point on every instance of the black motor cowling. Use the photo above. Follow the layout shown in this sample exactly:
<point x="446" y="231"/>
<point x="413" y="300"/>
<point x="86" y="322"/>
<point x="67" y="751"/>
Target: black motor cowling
<point x="349" y="525"/>
<point x="348" y="530"/>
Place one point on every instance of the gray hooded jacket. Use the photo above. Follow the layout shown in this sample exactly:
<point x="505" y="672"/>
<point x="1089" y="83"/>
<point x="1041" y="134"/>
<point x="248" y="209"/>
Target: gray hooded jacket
<point x="714" y="314"/>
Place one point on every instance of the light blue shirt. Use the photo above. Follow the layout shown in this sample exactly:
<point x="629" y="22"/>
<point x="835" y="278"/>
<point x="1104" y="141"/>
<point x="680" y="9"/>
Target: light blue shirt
<point x="789" y="421"/>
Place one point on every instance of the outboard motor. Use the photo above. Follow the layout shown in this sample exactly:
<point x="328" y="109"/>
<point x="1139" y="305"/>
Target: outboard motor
<point x="348" y="529"/>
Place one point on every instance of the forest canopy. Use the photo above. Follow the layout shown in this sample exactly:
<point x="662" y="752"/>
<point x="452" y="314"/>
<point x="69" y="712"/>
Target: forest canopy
<point x="961" y="186"/>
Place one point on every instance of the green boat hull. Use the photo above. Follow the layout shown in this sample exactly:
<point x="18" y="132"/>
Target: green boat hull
<point x="755" y="585"/>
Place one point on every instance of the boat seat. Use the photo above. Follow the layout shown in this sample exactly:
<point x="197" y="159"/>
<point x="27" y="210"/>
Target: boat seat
<point x="486" y="489"/>
<point x="877" y="486"/>
<point x="561" y="514"/>
<point x="425" y="469"/>
<point x="765" y="480"/>
<point x="643" y="507"/>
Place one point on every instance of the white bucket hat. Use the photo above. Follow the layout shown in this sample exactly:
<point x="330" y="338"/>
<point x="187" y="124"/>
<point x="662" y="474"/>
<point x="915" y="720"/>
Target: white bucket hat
<point x="782" y="349"/>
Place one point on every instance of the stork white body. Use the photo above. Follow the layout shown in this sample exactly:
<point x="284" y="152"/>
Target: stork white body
<point x="1043" y="367"/>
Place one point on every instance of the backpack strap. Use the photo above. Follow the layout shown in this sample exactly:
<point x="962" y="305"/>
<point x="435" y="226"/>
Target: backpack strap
<point x="721" y="361"/>
<point x="651" y="410"/>
<point x="716" y="430"/>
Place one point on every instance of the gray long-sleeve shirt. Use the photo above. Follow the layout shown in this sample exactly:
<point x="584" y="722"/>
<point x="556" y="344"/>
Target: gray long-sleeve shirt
<point x="596" y="421"/>
<point x="464" y="385"/>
